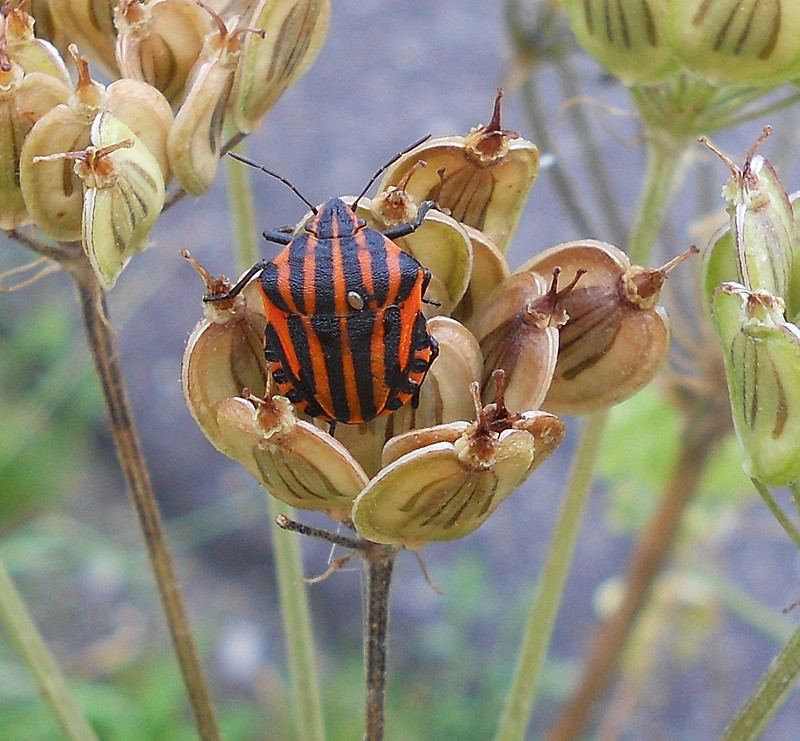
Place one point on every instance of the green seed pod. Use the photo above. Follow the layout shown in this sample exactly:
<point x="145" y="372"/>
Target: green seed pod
<point x="626" y="37"/>
<point x="123" y="194"/>
<point x="616" y="337"/>
<point x="30" y="53"/>
<point x="762" y="363"/>
<point x="293" y="460"/>
<point x="194" y="145"/>
<point x="159" y="42"/>
<point x="447" y="489"/>
<point x="482" y="179"/>
<point x="736" y="42"/>
<point x="24" y="99"/>
<point x="295" y="31"/>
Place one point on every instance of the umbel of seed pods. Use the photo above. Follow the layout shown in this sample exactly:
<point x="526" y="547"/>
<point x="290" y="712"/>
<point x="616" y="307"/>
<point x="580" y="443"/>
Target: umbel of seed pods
<point x="751" y="283"/>
<point x="462" y="375"/>
<point x="88" y="162"/>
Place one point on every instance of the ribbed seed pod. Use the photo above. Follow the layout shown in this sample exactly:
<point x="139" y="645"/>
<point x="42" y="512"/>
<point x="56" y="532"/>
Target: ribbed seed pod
<point x="627" y="37"/>
<point x="736" y="42"/>
<point x="518" y="331"/>
<point x="616" y="337"/>
<point x="446" y="489"/>
<point x="159" y="42"/>
<point x="762" y="363"/>
<point x="293" y="460"/>
<point x="294" y="33"/>
<point x="194" y="145"/>
<point x="482" y="179"/>
<point x="89" y="24"/>
<point x="30" y="53"/>
<point x="52" y="190"/>
<point x="24" y="99"/>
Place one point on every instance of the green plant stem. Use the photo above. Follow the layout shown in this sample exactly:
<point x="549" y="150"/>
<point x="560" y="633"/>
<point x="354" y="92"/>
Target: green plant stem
<point x="102" y="346"/>
<point x="702" y="432"/>
<point x="286" y="547"/>
<point x="774" y="507"/>
<point x="30" y="645"/>
<point x="769" y="696"/>
<point x="547" y="598"/>
<point x="380" y="564"/>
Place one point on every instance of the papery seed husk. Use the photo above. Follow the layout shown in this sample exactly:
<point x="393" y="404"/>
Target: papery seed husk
<point x="31" y="53"/>
<point x="90" y="25"/>
<point x="295" y="31"/>
<point x="293" y="460"/>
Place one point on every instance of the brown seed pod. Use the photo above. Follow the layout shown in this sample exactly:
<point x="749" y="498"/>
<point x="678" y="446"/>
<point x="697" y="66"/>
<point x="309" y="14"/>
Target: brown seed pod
<point x="616" y="336"/>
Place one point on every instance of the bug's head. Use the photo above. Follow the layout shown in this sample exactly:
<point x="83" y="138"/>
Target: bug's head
<point x="334" y="219"/>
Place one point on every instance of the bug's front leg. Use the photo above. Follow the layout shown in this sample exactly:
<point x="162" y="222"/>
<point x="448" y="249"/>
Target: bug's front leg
<point x="403" y="230"/>
<point x="237" y="289"/>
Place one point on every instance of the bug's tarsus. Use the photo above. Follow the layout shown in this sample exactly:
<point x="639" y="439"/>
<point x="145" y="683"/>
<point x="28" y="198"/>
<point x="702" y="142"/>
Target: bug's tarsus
<point x="383" y="168"/>
<point x="275" y="175"/>
<point x="403" y="230"/>
<point x="237" y="289"/>
<point x="332" y="428"/>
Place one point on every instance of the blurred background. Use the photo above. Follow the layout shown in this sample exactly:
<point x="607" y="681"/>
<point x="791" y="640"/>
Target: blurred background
<point x="389" y="73"/>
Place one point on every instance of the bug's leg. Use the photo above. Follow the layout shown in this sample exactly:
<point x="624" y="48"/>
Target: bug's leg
<point x="283" y="235"/>
<point x="237" y="289"/>
<point x="403" y="230"/>
<point x="332" y="427"/>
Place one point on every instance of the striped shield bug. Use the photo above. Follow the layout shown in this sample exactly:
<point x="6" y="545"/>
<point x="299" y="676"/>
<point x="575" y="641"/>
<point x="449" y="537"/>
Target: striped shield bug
<point x="346" y="339"/>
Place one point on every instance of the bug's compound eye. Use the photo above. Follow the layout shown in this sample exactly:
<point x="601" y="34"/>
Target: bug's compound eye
<point x="355" y="300"/>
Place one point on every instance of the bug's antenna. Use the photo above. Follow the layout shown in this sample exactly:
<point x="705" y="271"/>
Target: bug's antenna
<point x="385" y="166"/>
<point x="279" y="177"/>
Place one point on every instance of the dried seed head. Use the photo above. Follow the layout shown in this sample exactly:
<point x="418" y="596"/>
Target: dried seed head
<point x="30" y="53"/>
<point x="627" y="37"/>
<point x="446" y="489"/>
<point x="293" y="460"/>
<point x="485" y="180"/>
<point x="736" y="42"/>
<point x="160" y="42"/>
<point x="762" y="363"/>
<point x="89" y="24"/>
<point x="294" y="33"/>
<point x="616" y="336"/>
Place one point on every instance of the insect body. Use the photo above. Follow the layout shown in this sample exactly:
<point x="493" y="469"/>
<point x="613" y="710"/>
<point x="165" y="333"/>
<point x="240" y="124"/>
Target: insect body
<point x="346" y="339"/>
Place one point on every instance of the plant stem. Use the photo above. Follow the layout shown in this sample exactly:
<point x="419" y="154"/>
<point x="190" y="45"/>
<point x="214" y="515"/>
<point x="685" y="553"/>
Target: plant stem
<point x="286" y="548"/>
<point x="30" y="645"/>
<point x="547" y="598"/>
<point x="653" y="547"/>
<point x="380" y="563"/>
<point x="769" y="696"/>
<point x="102" y="346"/>
<point x="779" y="514"/>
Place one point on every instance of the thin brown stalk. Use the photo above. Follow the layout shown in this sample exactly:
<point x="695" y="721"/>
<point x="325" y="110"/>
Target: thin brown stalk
<point x="651" y="552"/>
<point x="102" y="345"/>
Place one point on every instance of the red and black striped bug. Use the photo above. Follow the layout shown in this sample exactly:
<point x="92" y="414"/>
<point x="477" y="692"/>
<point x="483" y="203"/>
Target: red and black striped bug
<point x="346" y="339"/>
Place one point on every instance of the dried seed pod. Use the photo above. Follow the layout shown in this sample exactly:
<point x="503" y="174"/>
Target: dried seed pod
<point x="24" y="99"/>
<point x="736" y="42"/>
<point x="762" y="227"/>
<point x="616" y="337"/>
<point x="440" y="244"/>
<point x="123" y="194"/>
<point x="762" y="363"/>
<point x="194" y="145"/>
<point x="224" y="354"/>
<point x="442" y="398"/>
<point x="89" y="24"/>
<point x="295" y="31"/>
<point x="489" y="270"/>
<point x="159" y="42"/>
<point x="486" y="177"/>
<point x="447" y="489"/>
<point x="518" y="331"/>
<point x="52" y="190"/>
<point x="293" y="460"/>
<point x="626" y="37"/>
<point x="30" y="53"/>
